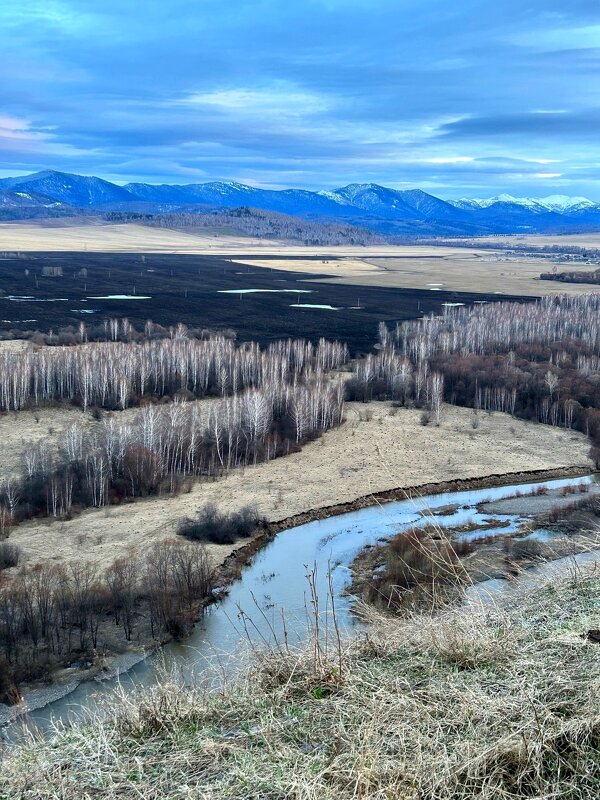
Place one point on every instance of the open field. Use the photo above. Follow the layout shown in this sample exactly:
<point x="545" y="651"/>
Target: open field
<point x="434" y="269"/>
<point x="134" y="238"/>
<point x="202" y="291"/>
<point x="414" y="266"/>
<point x="372" y="451"/>
<point x="540" y="240"/>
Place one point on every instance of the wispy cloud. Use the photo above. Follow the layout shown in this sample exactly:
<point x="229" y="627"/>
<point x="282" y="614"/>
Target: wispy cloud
<point x="457" y="98"/>
<point x="280" y="99"/>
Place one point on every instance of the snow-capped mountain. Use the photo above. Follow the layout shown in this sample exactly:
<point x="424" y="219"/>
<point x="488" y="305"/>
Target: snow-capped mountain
<point x="555" y="202"/>
<point x="76" y="190"/>
<point x="12" y="199"/>
<point x="410" y="212"/>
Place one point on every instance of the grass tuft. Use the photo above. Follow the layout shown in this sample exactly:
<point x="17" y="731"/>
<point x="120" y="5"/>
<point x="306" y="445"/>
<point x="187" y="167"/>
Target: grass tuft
<point x="486" y="702"/>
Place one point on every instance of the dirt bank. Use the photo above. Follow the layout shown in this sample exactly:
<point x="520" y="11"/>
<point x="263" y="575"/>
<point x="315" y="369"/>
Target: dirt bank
<point x="379" y="453"/>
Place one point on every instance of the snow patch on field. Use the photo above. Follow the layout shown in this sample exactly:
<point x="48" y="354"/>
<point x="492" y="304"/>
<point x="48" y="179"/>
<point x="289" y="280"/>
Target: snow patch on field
<point x="270" y="291"/>
<point x="314" y="305"/>
<point x="122" y="297"/>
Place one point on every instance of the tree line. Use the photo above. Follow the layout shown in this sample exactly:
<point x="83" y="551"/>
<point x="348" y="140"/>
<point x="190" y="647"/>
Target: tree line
<point x="267" y="404"/>
<point x="118" y="374"/>
<point x="256" y="223"/>
<point x="591" y="276"/>
<point x="53" y="612"/>
<point x="537" y="361"/>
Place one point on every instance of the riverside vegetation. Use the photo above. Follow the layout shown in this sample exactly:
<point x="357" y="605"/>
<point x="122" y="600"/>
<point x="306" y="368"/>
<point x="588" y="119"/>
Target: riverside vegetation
<point x="551" y="380"/>
<point x="263" y="405"/>
<point x="484" y="702"/>
<point x="536" y="361"/>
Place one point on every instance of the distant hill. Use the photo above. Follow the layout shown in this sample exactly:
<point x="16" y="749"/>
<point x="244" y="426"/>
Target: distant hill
<point x="385" y="211"/>
<point x="257" y="223"/>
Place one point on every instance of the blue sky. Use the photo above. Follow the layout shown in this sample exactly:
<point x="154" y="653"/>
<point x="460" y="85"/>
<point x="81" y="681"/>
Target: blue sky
<point x="470" y="97"/>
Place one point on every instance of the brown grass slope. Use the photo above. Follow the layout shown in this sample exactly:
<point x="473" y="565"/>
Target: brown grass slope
<point x="487" y="701"/>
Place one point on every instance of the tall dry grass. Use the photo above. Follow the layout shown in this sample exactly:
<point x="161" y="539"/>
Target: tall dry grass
<point x="485" y="701"/>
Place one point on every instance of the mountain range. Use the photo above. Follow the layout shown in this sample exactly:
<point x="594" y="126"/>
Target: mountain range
<point x="378" y="208"/>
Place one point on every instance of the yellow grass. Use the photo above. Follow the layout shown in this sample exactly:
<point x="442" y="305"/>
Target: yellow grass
<point x="406" y="266"/>
<point x="458" y="270"/>
<point x="358" y="458"/>
<point x="476" y="703"/>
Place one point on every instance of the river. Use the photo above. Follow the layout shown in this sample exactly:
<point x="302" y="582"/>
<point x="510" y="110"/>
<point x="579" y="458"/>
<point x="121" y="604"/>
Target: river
<point x="272" y="591"/>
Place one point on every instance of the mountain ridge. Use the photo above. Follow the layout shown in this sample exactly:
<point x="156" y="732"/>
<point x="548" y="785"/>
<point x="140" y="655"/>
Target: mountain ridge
<point x="382" y="209"/>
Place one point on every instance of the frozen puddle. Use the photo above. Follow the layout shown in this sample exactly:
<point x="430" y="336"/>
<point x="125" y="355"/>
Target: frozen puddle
<point x="122" y="297"/>
<point x="314" y="305"/>
<point x="270" y="291"/>
<point x="26" y="299"/>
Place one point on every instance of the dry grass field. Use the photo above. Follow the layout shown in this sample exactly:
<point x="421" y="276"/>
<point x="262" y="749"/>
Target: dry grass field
<point x="427" y="266"/>
<point x="132" y="238"/>
<point x="541" y="240"/>
<point x="374" y="450"/>
<point x="479" y="702"/>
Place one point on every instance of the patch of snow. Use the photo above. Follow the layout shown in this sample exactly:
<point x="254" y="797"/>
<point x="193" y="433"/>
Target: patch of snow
<point x="38" y="299"/>
<point x="122" y="297"/>
<point x="254" y="291"/>
<point x="314" y="305"/>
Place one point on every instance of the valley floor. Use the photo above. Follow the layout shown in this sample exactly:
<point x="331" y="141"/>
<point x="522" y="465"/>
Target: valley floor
<point x="493" y="268"/>
<point x="377" y="448"/>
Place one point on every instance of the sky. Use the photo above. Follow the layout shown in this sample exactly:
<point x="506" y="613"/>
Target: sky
<point x="457" y="97"/>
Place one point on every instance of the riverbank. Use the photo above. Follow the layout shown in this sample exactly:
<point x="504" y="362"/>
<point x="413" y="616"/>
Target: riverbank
<point x="66" y="681"/>
<point x="376" y="450"/>
<point x="505" y="538"/>
<point x="474" y="703"/>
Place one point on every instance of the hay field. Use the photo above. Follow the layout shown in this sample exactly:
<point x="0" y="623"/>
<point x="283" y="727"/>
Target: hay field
<point x="429" y="267"/>
<point x="374" y="450"/>
<point x="590" y="239"/>
<point x="133" y="238"/>
<point x="96" y="236"/>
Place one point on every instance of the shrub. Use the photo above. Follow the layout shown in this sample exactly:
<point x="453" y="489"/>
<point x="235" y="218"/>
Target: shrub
<point x="519" y="549"/>
<point x="212" y="525"/>
<point x="10" y="555"/>
<point x="419" y="570"/>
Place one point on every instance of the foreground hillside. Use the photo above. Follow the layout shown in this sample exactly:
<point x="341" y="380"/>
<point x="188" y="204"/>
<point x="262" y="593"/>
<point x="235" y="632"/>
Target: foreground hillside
<point x="477" y="702"/>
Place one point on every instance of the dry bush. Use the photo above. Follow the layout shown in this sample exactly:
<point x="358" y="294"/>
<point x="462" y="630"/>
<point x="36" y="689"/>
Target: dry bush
<point x="520" y="549"/>
<point x="419" y="569"/>
<point x="221" y="527"/>
<point x="10" y="555"/>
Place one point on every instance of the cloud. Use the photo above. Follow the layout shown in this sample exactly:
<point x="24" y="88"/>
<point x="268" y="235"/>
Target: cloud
<point x="560" y="38"/>
<point x="450" y="160"/>
<point x="579" y="124"/>
<point x="281" y="99"/>
<point x="314" y="93"/>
